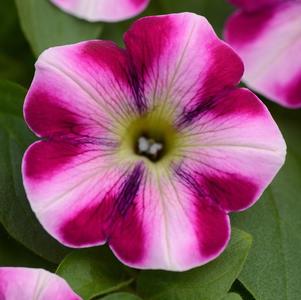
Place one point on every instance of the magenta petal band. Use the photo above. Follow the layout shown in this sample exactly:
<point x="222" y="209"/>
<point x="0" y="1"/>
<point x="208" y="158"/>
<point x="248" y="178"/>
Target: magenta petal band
<point x="267" y="36"/>
<point x="252" y="5"/>
<point x="31" y="284"/>
<point x="102" y="10"/>
<point x="147" y="148"/>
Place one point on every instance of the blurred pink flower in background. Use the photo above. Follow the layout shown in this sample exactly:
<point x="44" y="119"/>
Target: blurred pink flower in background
<point x="102" y="10"/>
<point x="267" y="36"/>
<point x="147" y="148"/>
<point x="33" y="284"/>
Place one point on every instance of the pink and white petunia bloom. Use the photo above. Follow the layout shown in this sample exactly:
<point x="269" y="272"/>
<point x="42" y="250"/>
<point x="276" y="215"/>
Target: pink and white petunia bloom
<point x="267" y="36"/>
<point x="102" y="10"/>
<point x="147" y="148"/>
<point x="32" y="284"/>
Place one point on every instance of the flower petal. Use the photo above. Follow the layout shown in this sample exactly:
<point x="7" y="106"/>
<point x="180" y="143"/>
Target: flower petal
<point x="104" y="10"/>
<point x="30" y="284"/>
<point x="234" y="151"/>
<point x="187" y="222"/>
<point x="149" y="223"/>
<point x="182" y="230"/>
<point x="251" y="5"/>
<point x="179" y="60"/>
<point x="269" y="42"/>
<point x="92" y="199"/>
<point x="81" y="91"/>
<point x="79" y="99"/>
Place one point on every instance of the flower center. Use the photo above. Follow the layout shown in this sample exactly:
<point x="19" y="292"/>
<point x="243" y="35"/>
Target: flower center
<point x="149" y="148"/>
<point x="152" y="137"/>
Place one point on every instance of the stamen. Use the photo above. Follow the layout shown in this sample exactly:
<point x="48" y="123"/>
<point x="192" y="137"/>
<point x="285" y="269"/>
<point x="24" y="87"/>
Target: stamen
<point x="143" y="145"/>
<point x="149" y="147"/>
<point x="155" y="148"/>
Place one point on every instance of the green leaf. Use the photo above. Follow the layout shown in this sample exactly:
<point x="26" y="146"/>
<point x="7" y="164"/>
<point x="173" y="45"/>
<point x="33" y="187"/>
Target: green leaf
<point x="12" y="96"/>
<point x="15" y="213"/>
<point x="122" y="296"/>
<point x="15" y="68"/>
<point x="232" y="296"/>
<point x="16" y="61"/>
<point x="210" y="282"/>
<point x="13" y="254"/>
<point x="45" y="25"/>
<point x="94" y="272"/>
<point x="272" y="270"/>
<point x="239" y="288"/>
<point x="7" y="20"/>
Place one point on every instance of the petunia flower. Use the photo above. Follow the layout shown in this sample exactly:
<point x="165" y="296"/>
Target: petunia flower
<point x="147" y="148"/>
<point x="267" y="36"/>
<point x="102" y="10"/>
<point x="31" y="284"/>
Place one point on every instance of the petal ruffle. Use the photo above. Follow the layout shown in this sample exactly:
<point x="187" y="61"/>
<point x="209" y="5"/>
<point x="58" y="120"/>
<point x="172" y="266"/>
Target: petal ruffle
<point x="179" y="60"/>
<point x="30" y="284"/>
<point x="234" y="150"/>
<point x="102" y="10"/>
<point x="269" y="42"/>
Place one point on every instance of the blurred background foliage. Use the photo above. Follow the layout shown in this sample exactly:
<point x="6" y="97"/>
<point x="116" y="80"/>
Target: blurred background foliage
<point x="45" y="26"/>
<point x="270" y="271"/>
